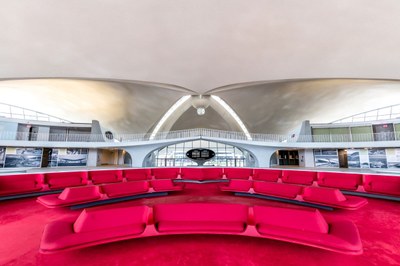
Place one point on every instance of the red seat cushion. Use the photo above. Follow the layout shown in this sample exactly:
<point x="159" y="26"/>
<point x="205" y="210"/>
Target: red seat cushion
<point x="382" y="184"/>
<point x="299" y="219"/>
<point x="339" y="180"/>
<point x="267" y="174"/>
<point x="201" y="217"/>
<point x="238" y="185"/>
<point x="160" y="185"/>
<point x="277" y="189"/>
<point x="238" y="173"/>
<point x="298" y="177"/>
<point x="125" y="188"/>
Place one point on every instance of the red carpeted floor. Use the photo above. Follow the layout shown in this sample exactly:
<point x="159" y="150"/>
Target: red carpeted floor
<point x="22" y="222"/>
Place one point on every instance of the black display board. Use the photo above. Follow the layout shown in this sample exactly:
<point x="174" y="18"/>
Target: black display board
<point x="200" y="154"/>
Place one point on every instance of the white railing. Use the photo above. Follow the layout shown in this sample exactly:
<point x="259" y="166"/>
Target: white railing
<point x="15" y="112"/>
<point x="384" y="113"/>
<point x="197" y="132"/>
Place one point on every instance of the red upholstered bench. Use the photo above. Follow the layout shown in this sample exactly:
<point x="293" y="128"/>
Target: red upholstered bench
<point x="298" y="177"/>
<point x="102" y="225"/>
<point x="238" y="185"/>
<point x="200" y="217"/>
<point x="238" y="173"/>
<point x="277" y="189"/>
<point x="165" y="173"/>
<point x="382" y="184"/>
<point x="160" y="185"/>
<point x="65" y="179"/>
<point x="105" y="176"/>
<point x="125" y="188"/>
<point x="307" y="227"/>
<point x="70" y="196"/>
<point x="332" y="197"/>
<point x="201" y="173"/>
<point x="136" y="174"/>
<point x="339" y="180"/>
<point x="94" y="226"/>
<point x="23" y="183"/>
<point x="267" y="175"/>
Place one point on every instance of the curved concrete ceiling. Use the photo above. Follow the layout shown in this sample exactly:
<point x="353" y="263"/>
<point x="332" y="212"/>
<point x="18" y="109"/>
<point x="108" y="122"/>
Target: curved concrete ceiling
<point x="200" y="44"/>
<point x="125" y="107"/>
<point x="280" y="106"/>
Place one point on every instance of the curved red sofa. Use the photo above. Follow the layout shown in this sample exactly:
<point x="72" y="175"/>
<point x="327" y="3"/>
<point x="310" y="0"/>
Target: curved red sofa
<point x="101" y="225"/>
<point x="371" y="184"/>
<point x="324" y="196"/>
<point x="95" y="193"/>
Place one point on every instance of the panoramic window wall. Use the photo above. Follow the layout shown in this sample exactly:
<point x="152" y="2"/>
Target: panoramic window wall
<point x="175" y="155"/>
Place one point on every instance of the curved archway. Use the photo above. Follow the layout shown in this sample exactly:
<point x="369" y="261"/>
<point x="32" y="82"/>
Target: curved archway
<point x="174" y="155"/>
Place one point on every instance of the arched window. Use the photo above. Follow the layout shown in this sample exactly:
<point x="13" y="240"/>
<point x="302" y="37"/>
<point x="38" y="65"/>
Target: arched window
<point x="175" y="155"/>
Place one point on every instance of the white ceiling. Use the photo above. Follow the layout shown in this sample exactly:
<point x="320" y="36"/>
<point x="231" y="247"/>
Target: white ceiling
<point x="200" y="44"/>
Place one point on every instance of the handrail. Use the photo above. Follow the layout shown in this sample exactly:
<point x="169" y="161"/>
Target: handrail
<point x="384" y="113"/>
<point x="16" y="112"/>
<point x="198" y="132"/>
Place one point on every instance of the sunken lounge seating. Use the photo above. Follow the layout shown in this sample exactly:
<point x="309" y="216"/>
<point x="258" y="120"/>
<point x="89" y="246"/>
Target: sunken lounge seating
<point x="66" y="179"/>
<point x="202" y="174"/>
<point x="165" y="173"/>
<point x="382" y="184"/>
<point x="105" y="176"/>
<point x="271" y="175"/>
<point x="78" y="195"/>
<point x="367" y="185"/>
<point x="298" y="177"/>
<point x="238" y="173"/>
<point x="340" y="180"/>
<point x="296" y="193"/>
<point x="332" y="197"/>
<point x="105" y="224"/>
<point x="16" y="184"/>
<point x="136" y="174"/>
<point x="160" y="185"/>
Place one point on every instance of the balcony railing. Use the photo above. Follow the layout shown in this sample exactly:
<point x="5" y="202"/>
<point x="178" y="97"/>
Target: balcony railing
<point x="15" y="112"/>
<point x="197" y="132"/>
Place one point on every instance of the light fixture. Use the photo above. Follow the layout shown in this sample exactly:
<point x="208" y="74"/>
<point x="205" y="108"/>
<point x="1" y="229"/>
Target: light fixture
<point x="201" y="111"/>
<point x="168" y="114"/>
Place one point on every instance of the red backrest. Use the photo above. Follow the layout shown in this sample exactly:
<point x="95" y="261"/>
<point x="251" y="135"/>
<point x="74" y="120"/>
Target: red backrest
<point x="304" y="220"/>
<point x="105" y="176"/>
<point x="12" y="184"/>
<point x="267" y="174"/>
<point x="164" y="173"/>
<point x="339" y="180"/>
<point x="382" y="184"/>
<point x="298" y="177"/>
<point x="201" y="173"/>
<point x="238" y="173"/>
<point x="187" y="212"/>
<point x="98" y="218"/>
<point x="240" y="185"/>
<point x="65" y="179"/>
<point x="77" y="193"/>
<point x="137" y="174"/>
<point x="277" y="189"/>
<point x="125" y="188"/>
<point x="327" y="195"/>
